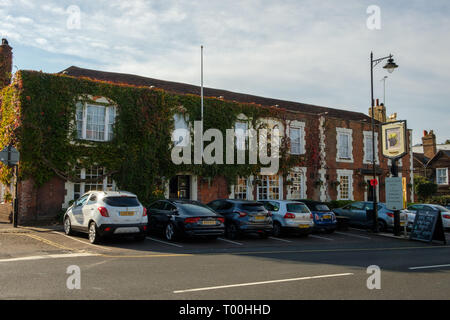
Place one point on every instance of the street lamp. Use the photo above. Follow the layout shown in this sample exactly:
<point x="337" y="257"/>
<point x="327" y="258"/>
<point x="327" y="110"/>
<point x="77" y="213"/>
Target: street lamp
<point x="390" y="67"/>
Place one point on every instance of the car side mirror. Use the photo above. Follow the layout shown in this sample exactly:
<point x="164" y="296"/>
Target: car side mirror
<point x="174" y="212"/>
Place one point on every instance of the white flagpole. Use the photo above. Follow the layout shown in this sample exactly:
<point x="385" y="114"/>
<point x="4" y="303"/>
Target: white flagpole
<point x="201" y="98"/>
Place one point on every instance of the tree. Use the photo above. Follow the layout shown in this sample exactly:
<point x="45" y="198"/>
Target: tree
<point x="424" y="188"/>
<point x="447" y="141"/>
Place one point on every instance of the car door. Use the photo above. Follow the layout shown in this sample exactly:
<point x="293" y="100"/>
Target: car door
<point x="88" y="209"/>
<point x="156" y="211"/>
<point x="359" y="214"/>
<point x="77" y="211"/>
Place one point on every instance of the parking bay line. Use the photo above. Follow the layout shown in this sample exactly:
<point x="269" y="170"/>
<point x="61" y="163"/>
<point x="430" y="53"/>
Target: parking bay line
<point x="352" y="235"/>
<point x="233" y="242"/>
<point x="319" y="237"/>
<point x="171" y="244"/>
<point x="279" y="239"/>
<point x="84" y="242"/>
<point x="50" y="256"/>
<point x="430" y="267"/>
<point x="264" y="282"/>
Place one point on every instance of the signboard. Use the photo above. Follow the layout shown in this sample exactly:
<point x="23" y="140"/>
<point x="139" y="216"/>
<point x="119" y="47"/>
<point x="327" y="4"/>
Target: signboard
<point x="428" y="227"/>
<point x="13" y="156"/>
<point x="393" y="136"/>
<point x="394" y="193"/>
<point x="374" y="182"/>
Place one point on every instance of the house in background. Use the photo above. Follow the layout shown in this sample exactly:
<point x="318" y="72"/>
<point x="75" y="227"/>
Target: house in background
<point x="433" y="163"/>
<point x="334" y="146"/>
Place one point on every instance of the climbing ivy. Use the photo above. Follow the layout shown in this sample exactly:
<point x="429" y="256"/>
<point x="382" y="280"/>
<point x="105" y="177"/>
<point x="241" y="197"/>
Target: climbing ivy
<point x="38" y="117"/>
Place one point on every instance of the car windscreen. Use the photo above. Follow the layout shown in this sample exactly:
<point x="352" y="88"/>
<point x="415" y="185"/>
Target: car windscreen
<point x="195" y="209"/>
<point x="121" y="201"/>
<point x="441" y="208"/>
<point x="297" y="208"/>
<point x="321" y="207"/>
<point x="251" y="207"/>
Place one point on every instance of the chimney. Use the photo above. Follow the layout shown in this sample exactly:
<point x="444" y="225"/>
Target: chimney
<point x="5" y="63"/>
<point x="379" y="111"/>
<point x="429" y="144"/>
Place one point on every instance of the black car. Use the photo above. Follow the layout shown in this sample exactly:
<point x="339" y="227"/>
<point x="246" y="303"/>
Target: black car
<point x="184" y="218"/>
<point x="242" y="216"/>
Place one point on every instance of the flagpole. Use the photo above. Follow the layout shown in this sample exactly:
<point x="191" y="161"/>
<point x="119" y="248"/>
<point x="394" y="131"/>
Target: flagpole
<point x="201" y="98"/>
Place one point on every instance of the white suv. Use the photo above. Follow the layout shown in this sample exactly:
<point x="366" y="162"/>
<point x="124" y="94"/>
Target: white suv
<point x="105" y="213"/>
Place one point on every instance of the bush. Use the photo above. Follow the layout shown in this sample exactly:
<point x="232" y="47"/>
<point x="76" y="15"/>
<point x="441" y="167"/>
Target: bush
<point x="442" y="200"/>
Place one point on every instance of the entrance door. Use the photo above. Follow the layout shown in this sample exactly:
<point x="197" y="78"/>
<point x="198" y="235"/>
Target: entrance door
<point x="180" y="187"/>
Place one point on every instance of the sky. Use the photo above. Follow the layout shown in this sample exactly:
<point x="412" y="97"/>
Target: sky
<point x="309" y="51"/>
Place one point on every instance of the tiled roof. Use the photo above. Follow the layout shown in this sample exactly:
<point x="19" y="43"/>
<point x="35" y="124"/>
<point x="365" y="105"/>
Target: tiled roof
<point x="421" y="157"/>
<point x="183" y="88"/>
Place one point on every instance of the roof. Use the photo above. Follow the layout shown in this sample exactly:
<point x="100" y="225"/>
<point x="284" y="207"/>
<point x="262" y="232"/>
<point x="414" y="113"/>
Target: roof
<point x="421" y="157"/>
<point x="183" y="88"/>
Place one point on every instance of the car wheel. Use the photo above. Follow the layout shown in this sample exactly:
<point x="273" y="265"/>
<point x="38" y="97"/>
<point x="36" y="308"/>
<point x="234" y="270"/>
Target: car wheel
<point x="67" y="226"/>
<point x="231" y="231"/>
<point x="382" y="226"/>
<point x="94" y="237"/>
<point x="169" y="232"/>
<point x="276" y="229"/>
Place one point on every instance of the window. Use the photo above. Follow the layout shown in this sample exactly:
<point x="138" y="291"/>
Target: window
<point x="368" y="148"/>
<point x="442" y="176"/>
<point x="240" y="189"/>
<point x="95" y="122"/>
<point x="345" y="189"/>
<point x="181" y="135"/>
<point x="344" y="145"/>
<point x="269" y="189"/>
<point x="298" y="183"/>
<point x="107" y="184"/>
<point x="297" y="137"/>
<point x="241" y="135"/>
<point x="121" y="201"/>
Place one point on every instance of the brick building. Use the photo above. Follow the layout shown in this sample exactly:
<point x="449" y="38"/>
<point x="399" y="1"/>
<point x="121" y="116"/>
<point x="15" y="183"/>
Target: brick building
<point x="339" y="141"/>
<point x="432" y="163"/>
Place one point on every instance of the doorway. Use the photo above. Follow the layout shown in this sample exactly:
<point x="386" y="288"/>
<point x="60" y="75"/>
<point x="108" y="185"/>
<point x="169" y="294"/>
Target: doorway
<point x="180" y="187"/>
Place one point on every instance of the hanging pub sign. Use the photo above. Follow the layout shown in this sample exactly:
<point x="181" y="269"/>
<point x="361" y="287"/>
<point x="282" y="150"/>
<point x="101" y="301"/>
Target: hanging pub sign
<point x="393" y="135"/>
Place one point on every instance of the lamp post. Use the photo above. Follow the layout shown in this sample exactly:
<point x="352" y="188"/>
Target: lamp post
<point x="390" y="67"/>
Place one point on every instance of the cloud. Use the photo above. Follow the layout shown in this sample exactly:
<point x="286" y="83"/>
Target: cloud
<point x="308" y="51"/>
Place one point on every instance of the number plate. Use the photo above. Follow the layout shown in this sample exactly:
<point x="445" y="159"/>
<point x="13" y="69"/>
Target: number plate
<point x="126" y="213"/>
<point x="212" y="222"/>
<point x="259" y="218"/>
<point x="303" y="226"/>
<point x="327" y="216"/>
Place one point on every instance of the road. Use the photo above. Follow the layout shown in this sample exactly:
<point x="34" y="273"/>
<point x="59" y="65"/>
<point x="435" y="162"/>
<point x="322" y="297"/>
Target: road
<point x="34" y="264"/>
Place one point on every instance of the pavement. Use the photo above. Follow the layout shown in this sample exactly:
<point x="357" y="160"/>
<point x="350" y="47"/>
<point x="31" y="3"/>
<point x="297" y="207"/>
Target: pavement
<point x="34" y="264"/>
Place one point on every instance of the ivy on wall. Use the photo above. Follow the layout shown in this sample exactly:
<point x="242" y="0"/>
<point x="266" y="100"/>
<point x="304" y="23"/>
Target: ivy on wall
<point x="38" y="117"/>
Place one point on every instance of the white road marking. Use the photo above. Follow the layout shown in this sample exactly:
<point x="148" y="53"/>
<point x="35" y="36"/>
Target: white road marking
<point x="319" y="237"/>
<point x="429" y="267"/>
<point x="169" y="243"/>
<point x="84" y="242"/>
<point x="265" y="282"/>
<point x="352" y="235"/>
<point x="233" y="242"/>
<point x="275" y="238"/>
<point x="50" y="256"/>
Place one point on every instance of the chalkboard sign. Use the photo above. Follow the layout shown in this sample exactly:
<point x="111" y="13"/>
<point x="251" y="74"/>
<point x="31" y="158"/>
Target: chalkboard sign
<point x="428" y="227"/>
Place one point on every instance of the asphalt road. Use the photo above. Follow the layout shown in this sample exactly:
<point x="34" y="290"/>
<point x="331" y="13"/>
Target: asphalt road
<point x="33" y="265"/>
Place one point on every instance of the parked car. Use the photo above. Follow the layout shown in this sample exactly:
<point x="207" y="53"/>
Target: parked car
<point x="243" y="217"/>
<point x="106" y="213"/>
<point x="324" y="217"/>
<point x="289" y="216"/>
<point x="356" y="212"/>
<point x="178" y="218"/>
<point x="412" y="209"/>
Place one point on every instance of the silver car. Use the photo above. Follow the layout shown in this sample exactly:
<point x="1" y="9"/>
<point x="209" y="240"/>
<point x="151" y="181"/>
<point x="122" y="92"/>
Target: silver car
<point x="412" y="209"/>
<point x="289" y="216"/>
